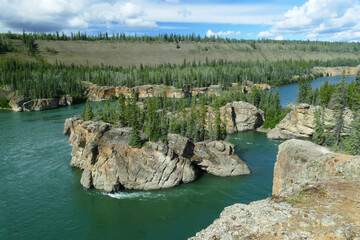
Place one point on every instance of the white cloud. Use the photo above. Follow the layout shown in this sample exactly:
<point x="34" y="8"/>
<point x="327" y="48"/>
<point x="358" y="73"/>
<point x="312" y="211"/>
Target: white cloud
<point x="52" y="15"/>
<point x="279" y="38"/>
<point x="67" y="15"/>
<point x="338" y="20"/>
<point x="265" y="34"/>
<point x="210" y="33"/>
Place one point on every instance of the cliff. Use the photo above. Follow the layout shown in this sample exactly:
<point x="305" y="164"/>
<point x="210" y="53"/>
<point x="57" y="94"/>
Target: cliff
<point x="316" y="195"/>
<point x="20" y="104"/>
<point x="299" y="123"/>
<point x="100" y="93"/>
<point x="109" y="164"/>
<point x="337" y="71"/>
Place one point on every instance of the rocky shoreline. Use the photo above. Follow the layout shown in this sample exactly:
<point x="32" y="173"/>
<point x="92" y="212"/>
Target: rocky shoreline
<point x="299" y="123"/>
<point x="100" y="93"/>
<point x="20" y="104"/>
<point x="316" y="195"/>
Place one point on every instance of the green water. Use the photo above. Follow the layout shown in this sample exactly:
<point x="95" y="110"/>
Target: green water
<point x="41" y="197"/>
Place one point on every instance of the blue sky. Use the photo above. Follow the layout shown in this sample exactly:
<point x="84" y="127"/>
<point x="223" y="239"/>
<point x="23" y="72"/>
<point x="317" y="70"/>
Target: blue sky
<point x="330" y="20"/>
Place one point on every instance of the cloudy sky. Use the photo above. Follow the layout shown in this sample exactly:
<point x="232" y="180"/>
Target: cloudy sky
<point x="333" y="20"/>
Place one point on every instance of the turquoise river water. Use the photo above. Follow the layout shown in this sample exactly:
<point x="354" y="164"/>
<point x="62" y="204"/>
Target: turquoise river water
<point x="41" y="196"/>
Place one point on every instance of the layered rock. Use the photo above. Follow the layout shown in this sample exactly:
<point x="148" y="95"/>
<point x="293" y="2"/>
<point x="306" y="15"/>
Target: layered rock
<point x="19" y="104"/>
<point x="316" y="196"/>
<point x="299" y="123"/>
<point x="337" y="71"/>
<point x="239" y="116"/>
<point x="109" y="164"/>
<point x="100" y="93"/>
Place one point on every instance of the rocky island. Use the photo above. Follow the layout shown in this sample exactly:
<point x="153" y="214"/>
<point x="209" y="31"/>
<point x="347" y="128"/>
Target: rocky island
<point x="110" y="164"/>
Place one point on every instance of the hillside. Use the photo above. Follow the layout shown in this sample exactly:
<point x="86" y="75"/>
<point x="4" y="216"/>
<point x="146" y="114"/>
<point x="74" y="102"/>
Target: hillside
<point x="127" y="53"/>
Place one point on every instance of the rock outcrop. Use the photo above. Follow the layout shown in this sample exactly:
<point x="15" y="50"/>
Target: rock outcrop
<point x="337" y="71"/>
<point x="316" y="196"/>
<point x="240" y="116"/>
<point x="109" y="164"/>
<point x="19" y="104"/>
<point x="100" y="93"/>
<point x="217" y="158"/>
<point x="299" y="123"/>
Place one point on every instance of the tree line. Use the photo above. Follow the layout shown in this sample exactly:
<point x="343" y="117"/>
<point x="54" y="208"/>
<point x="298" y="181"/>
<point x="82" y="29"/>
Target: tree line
<point x="337" y="97"/>
<point x="313" y="46"/>
<point x="43" y="80"/>
<point x="156" y="117"/>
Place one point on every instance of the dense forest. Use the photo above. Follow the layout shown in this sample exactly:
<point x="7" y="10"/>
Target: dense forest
<point x="43" y="80"/>
<point x="158" y="116"/>
<point x="337" y="97"/>
<point x="315" y="46"/>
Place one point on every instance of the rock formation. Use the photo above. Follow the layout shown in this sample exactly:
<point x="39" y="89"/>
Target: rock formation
<point x="217" y="158"/>
<point x="19" y="104"/>
<point x="299" y="123"/>
<point x="100" y="93"/>
<point x="109" y="164"/>
<point x="316" y="196"/>
<point x="337" y="71"/>
<point x="240" y="116"/>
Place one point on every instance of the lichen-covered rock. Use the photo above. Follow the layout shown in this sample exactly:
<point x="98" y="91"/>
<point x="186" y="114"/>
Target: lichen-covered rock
<point x="299" y="123"/>
<point x="316" y="196"/>
<point x="217" y="158"/>
<point x="299" y="160"/>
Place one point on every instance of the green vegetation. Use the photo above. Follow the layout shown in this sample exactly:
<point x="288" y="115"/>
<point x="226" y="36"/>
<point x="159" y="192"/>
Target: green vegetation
<point x="197" y="118"/>
<point x="4" y="102"/>
<point x="41" y="80"/>
<point x="336" y="97"/>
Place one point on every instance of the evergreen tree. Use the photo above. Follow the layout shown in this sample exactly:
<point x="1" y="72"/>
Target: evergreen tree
<point x="319" y="135"/>
<point x="135" y="140"/>
<point x="338" y="104"/>
<point x="88" y="113"/>
<point x="305" y="92"/>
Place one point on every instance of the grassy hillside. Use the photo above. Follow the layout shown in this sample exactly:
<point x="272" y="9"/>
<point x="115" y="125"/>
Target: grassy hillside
<point x="118" y="53"/>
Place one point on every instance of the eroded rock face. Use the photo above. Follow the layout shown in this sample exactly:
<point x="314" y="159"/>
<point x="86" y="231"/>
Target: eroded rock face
<point x="316" y="196"/>
<point x="299" y="123"/>
<point x="337" y="71"/>
<point x="217" y="158"/>
<point x="240" y="116"/>
<point x="19" y="104"/>
<point x="299" y="161"/>
<point x="109" y="164"/>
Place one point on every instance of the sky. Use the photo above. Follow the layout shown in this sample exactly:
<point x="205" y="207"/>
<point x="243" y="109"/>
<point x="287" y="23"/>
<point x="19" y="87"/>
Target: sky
<point x="323" y="20"/>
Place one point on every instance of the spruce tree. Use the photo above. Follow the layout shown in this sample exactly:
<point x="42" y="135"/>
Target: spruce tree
<point x="319" y="135"/>
<point x="338" y="103"/>
<point x="88" y="113"/>
<point x="135" y="140"/>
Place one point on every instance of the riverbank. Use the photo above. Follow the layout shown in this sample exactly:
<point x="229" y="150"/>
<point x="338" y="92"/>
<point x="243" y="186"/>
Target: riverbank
<point x="315" y="198"/>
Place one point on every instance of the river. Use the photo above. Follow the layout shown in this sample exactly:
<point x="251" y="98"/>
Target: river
<point x="41" y="196"/>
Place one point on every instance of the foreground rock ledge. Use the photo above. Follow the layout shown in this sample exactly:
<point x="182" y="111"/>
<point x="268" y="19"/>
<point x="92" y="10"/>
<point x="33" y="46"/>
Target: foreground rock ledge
<point x="316" y="195"/>
<point x="109" y="164"/>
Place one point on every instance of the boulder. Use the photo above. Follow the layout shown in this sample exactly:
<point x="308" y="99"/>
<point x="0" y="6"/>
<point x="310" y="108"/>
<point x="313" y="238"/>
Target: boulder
<point x="240" y="116"/>
<point x="181" y="145"/>
<point x="299" y="161"/>
<point x="299" y="123"/>
<point x="16" y="103"/>
<point x="217" y="158"/>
